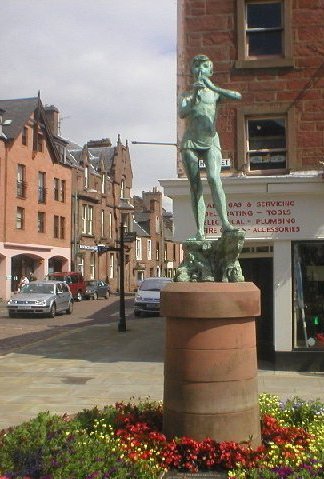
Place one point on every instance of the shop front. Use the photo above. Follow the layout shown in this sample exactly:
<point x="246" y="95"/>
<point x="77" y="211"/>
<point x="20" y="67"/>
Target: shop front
<point x="283" y="255"/>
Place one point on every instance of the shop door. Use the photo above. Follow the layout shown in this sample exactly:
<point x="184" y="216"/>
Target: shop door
<point x="260" y="272"/>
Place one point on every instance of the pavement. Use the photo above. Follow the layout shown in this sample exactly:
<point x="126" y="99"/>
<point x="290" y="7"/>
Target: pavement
<point x="94" y="364"/>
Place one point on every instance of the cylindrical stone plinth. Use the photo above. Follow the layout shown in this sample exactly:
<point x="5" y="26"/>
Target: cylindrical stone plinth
<point x="210" y="370"/>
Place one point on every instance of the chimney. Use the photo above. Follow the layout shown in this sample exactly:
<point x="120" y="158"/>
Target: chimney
<point x="52" y="117"/>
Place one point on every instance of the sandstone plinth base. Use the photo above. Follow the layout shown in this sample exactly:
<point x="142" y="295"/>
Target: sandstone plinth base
<point x="210" y="372"/>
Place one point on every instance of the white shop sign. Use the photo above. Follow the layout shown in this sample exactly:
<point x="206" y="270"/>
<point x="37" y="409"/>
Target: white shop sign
<point x="281" y="217"/>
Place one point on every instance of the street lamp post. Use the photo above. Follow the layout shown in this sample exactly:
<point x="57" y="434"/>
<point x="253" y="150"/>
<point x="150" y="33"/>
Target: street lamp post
<point x="122" y="315"/>
<point x="125" y="207"/>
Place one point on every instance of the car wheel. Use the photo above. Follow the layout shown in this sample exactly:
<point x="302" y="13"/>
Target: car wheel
<point x="95" y="295"/>
<point x="70" y="308"/>
<point x="52" y="312"/>
<point x="107" y="295"/>
<point x="12" y="314"/>
<point x="137" y="313"/>
<point x="79" y="296"/>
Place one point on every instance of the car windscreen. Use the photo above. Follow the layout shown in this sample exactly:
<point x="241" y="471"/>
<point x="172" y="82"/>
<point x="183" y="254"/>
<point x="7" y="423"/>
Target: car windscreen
<point x="57" y="277"/>
<point x="152" y="285"/>
<point x="91" y="283"/>
<point x="35" y="288"/>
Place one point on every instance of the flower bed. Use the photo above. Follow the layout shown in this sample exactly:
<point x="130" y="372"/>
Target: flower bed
<point x="126" y="441"/>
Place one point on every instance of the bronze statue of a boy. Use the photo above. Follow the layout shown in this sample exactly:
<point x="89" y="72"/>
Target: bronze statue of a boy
<point x="200" y="141"/>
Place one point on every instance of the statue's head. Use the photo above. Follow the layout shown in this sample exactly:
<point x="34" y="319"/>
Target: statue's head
<point x="201" y="65"/>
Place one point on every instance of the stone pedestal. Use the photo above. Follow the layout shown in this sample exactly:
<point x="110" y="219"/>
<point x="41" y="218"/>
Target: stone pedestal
<point x="210" y="372"/>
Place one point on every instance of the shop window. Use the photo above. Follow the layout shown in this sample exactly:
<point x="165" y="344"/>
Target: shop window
<point x="266" y="139"/>
<point x="308" y="294"/>
<point x="264" y="33"/>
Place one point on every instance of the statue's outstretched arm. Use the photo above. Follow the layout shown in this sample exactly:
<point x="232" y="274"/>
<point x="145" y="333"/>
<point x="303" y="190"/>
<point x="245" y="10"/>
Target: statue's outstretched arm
<point x="233" y="95"/>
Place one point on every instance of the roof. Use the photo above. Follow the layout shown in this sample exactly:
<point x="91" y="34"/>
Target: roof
<point x="139" y="230"/>
<point x="18" y="111"/>
<point x="104" y="155"/>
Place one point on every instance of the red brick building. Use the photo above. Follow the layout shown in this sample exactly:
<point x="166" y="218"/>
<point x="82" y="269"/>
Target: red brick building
<point x="271" y="51"/>
<point x="35" y="195"/>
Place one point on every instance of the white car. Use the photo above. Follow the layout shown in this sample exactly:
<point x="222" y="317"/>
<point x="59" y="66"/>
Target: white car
<point x="42" y="297"/>
<point x="147" y="298"/>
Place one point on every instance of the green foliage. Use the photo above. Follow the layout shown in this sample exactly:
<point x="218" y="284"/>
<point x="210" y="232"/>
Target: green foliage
<point x="24" y="449"/>
<point x="88" y="446"/>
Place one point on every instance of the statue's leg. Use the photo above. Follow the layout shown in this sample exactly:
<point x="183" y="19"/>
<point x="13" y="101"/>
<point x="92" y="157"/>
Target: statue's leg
<point x="191" y="166"/>
<point x="213" y="161"/>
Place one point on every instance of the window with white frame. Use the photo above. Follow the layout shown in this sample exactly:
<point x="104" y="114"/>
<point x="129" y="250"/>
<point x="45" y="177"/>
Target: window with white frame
<point x="80" y="262"/>
<point x="103" y="183"/>
<point x="111" y="265"/>
<point x="266" y="143"/>
<point x="92" y="269"/>
<point x="87" y="219"/>
<point x="149" y="249"/>
<point x="86" y="177"/>
<point x="103" y="223"/>
<point x="264" y="33"/>
<point x="122" y="189"/>
<point x="110" y="225"/>
<point x="138" y="248"/>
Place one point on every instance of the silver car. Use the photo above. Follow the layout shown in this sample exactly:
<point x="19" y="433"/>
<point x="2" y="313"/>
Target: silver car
<point x="42" y="297"/>
<point x="147" y="298"/>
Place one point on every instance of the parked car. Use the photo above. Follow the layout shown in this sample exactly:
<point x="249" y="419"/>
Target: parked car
<point x="147" y="298"/>
<point x="96" y="289"/>
<point x="73" y="279"/>
<point x="42" y="297"/>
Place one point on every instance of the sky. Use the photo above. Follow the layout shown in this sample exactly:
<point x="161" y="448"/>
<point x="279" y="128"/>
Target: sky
<point x="109" y="66"/>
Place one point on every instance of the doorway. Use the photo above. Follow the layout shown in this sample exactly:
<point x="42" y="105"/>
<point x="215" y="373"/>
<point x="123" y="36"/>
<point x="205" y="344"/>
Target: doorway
<point x="260" y="272"/>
